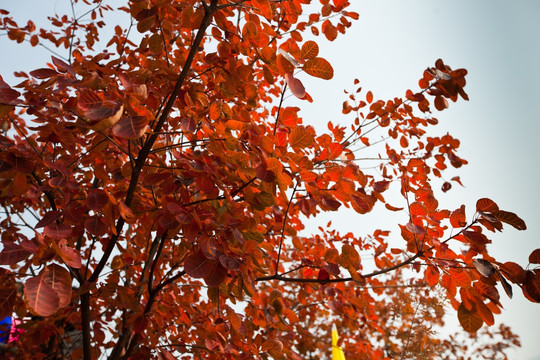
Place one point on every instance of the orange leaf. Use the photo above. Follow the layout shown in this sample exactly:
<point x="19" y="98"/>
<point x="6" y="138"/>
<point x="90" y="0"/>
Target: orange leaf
<point x="369" y="97"/>
<point x="320" y="68"/>
<point x="469" y="319"/>
<point x="300" y="137"/>
<point x="264" y="7"/>
<point x="392" y="208"/>
<point x="432" y="276"/>
<point x="310" y="49"/>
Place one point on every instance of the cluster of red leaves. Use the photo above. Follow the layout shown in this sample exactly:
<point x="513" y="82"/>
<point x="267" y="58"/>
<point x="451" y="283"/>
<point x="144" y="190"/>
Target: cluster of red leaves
<point x="154" y="192"/>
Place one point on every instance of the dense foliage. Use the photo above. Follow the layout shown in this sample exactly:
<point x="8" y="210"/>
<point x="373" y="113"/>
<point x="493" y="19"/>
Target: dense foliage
<point x="154" y="187"/>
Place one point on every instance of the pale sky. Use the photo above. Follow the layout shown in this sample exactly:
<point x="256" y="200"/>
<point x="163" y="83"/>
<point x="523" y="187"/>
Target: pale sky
<point x="387" y="49"/>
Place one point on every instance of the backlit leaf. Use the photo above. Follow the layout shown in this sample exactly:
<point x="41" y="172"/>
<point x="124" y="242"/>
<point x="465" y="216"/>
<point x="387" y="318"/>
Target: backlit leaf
<point x="296" y="86"/>
<point x="510" y="218"/>
<point x="469" y="319"/>
<point x="486" y="205"/>
<point x="96" y="199"/>
<point x="514" y="272"/>
<point x="197" y="266"/>
<point x="532" y="284"/>
<point x="320" y="68"/>
<point x="69" y="255"/>
<point x="130" y="127"/>
<point x="48" y="218"/>
<point x="216" y="274"/>
<point x="12" y="253"/>
<point x="59" y="279"/>
<point x="534" y="258"/>
<point x="300" y="137"/>
<point x="310" y="49"/>
<point x="40" y="297"/>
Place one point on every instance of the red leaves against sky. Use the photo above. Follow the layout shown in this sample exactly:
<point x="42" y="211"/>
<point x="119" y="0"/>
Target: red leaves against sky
<point x="168" y="178"/>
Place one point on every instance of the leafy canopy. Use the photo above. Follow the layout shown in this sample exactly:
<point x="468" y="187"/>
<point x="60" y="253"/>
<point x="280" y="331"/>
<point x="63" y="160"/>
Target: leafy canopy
<point x="154" y="186"/>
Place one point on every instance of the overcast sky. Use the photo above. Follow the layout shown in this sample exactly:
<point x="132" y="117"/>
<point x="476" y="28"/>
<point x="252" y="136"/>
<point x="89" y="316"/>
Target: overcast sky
<point x="387" y="49"/>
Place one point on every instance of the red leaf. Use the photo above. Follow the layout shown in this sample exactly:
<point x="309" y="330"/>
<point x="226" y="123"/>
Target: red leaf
<point x="216" y="274"/>
<point x="457" y="218"/>
<point x="89" y="100"/>
<point x="532" y="284"/>
<point x="362" y="203"/>
<point x="296" y="86"/>
<point x="334" y="150"/>
<point x="62" y="66"/>
<point x="392" y="208"/>
<point x="229" y="262"/>
<point x="8" y="294"/>
<point x="12" y="253"/>
<point x="323" y="275"/>
<point x="506" y="286"/>
<point x="446" y="186"/>
<point x="125" y="212"/>
<point x="48" y="218"/>
<point x="300" y="137"/>
<point x="59" y="279"/>
<point x="130" y="127"/>
<point x="196" y="265"/>
<point x="95" y="225"/>
<point x="510" y="218"/>
<point x="415" y="229"/>
<point x="440" y="103"/>
<point x="70" y="256"/>
<point x="514" y="272"/>
<point x="40" y="297"/>
<point x="534" y="258"/>
<point x="96" y="199"/>
<point x="57" y="231"/>
<point x="486" y="205"/>
<point x="43" y="73"/>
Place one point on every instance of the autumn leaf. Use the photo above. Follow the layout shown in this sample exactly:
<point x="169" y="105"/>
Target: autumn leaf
<point x="469" y="319"/>
<point x="296" y="86"/>
<point x="319" y="67"/>
<point x="39" y="295"/>
<point x="310" y="50"/>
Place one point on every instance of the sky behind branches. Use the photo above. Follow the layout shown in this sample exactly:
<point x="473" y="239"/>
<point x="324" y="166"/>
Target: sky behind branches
<point x="387" y="49"/>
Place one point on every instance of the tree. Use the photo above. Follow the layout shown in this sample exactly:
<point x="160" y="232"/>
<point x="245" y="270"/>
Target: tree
<point x="155" y="184"/>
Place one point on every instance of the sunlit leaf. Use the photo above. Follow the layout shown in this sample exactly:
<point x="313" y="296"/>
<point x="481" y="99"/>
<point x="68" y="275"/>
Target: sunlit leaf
<point x="320" y="68"/>
<point x="310" y="49"/>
